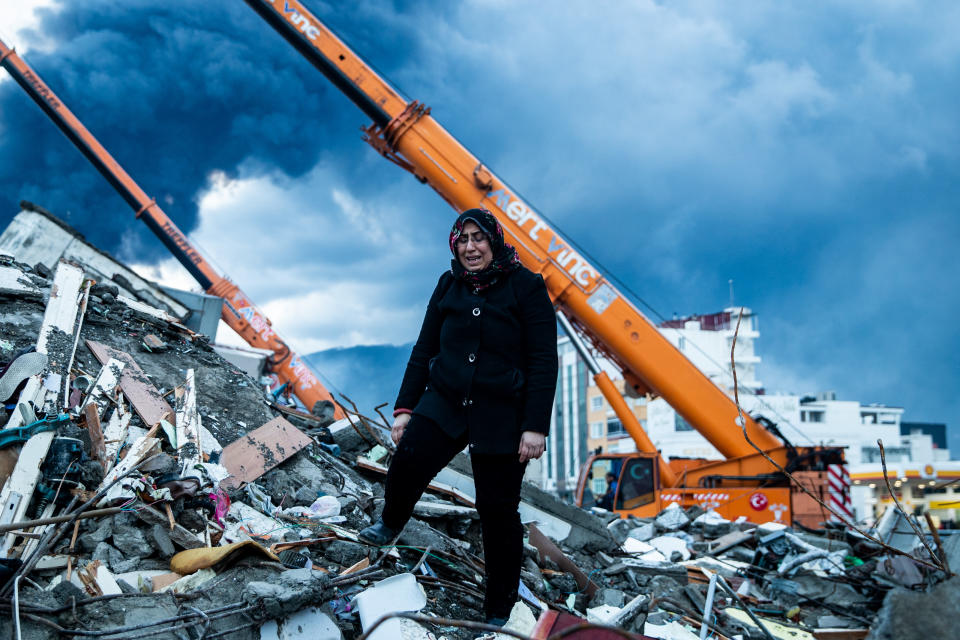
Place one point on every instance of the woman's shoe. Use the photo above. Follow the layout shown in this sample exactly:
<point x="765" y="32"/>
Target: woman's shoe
<point x="378" y="533"/>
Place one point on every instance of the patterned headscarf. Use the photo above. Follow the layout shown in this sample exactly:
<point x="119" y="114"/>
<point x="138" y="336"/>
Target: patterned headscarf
<point x="505" y="258"/>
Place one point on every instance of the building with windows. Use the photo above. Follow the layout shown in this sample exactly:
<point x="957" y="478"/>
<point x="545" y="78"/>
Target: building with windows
<point x="605" y="431"/>
<point x="566" y="447"/>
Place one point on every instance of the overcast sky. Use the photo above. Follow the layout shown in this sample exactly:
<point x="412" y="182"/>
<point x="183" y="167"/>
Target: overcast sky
<point x="807" y="152"/>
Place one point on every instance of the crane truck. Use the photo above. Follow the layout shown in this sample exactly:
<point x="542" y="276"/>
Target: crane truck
<point x="239" y="312"/>
<point x="598" y="318"/>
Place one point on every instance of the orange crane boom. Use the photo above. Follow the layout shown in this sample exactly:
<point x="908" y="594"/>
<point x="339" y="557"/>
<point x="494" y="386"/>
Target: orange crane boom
<point x="406" y="133"/>
<point x="239" y="312"/>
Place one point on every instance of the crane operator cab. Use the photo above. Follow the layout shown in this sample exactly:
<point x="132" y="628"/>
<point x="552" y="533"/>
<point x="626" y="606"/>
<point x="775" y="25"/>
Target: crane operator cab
<point x="618" y="482"/>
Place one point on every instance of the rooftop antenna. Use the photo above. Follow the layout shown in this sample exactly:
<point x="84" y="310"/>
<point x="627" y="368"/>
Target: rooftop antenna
<point x="730" y="282"/>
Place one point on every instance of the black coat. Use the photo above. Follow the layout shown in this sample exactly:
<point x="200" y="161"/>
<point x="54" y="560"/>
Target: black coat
<point x="485" y="361"/>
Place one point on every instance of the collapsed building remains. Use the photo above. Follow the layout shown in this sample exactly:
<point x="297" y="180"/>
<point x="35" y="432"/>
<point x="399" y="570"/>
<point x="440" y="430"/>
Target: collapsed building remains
<point x="153" y="489"/>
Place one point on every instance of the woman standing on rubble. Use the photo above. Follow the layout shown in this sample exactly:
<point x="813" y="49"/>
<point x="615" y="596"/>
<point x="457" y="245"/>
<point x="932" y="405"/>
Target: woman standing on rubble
<point x="482" y="373"/>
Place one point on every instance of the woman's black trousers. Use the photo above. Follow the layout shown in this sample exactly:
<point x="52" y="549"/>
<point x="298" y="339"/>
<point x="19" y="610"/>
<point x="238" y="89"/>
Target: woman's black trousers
<point x="423" y="451"/>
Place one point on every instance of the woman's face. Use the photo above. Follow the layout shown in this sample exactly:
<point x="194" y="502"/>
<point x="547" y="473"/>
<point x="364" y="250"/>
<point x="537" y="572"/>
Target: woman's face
<point x="473" y="248"/>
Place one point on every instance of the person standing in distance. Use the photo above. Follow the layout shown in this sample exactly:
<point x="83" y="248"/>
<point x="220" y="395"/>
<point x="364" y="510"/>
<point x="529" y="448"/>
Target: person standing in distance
<point x="482" y="375"/>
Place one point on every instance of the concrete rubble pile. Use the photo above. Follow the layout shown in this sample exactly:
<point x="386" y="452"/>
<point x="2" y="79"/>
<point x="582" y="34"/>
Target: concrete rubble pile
<point x="152" y="489"/>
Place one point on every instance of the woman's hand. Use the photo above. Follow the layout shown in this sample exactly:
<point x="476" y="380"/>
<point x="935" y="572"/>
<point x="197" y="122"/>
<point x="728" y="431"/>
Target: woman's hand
<point x="532" y="445"/>
<point x="399" y="424"/>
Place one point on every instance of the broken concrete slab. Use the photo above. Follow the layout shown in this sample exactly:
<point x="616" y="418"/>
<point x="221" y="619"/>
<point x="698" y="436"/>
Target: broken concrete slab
<point x="728" y="541"/>
<point x="307" y="624"/>
<point x="132" y="542"/>
<point x="188" y="444"/>
<point x="426" y="509"/>
<point x="179" y="535"/>
<point x="643" y="532"/>
<point x="108" y="555"/>
<point x="261" y="450"/>
<point x="14" y="283"/>
<point x="160" y="537"/>
<point x="672" y="518"/>
<point x="396" y="593"/>
<point x="673" y="549"/>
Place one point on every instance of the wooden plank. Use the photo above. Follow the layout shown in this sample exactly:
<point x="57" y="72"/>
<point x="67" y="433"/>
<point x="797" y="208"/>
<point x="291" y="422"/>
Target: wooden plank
<point x="98" y="449"/>
<point x="98" y="403"/>
<point x="363" y="564"/>
<point x="98" y="581"/>
<point x="84" y="299"/>
<point x="61" y="311"/>
<point x="115" y="432"/>
<point x="59" y="319"/>
<point x="103" y="387"/>
<point x="262" y="449"/>
<point x="139" y="450"/>
<point x="136" y="386"/>
<point x="548" y="549"/>
<point x="8" y="460"/>
<point x="188" y="428"/>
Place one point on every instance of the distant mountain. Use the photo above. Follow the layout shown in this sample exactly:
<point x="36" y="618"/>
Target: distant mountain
<point x="367" y="374"/>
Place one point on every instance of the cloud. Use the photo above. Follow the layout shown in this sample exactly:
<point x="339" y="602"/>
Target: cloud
<point x="328" y="269"/>
<point x="23" y="16"/>
<point x="175" y="91"/>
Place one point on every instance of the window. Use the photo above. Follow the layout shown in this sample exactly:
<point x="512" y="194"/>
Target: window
<point x="682" y="343"/>
<point x="636" y="484"/>
<point x="871" y="455"/>
<point x="597" y="482"/>
<point x="811" y="416"/>
<point x="615" y="428"/>
<point x="596" y="429"/>
<point x="679" y="424"/>
<point x="596" y="403"/>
